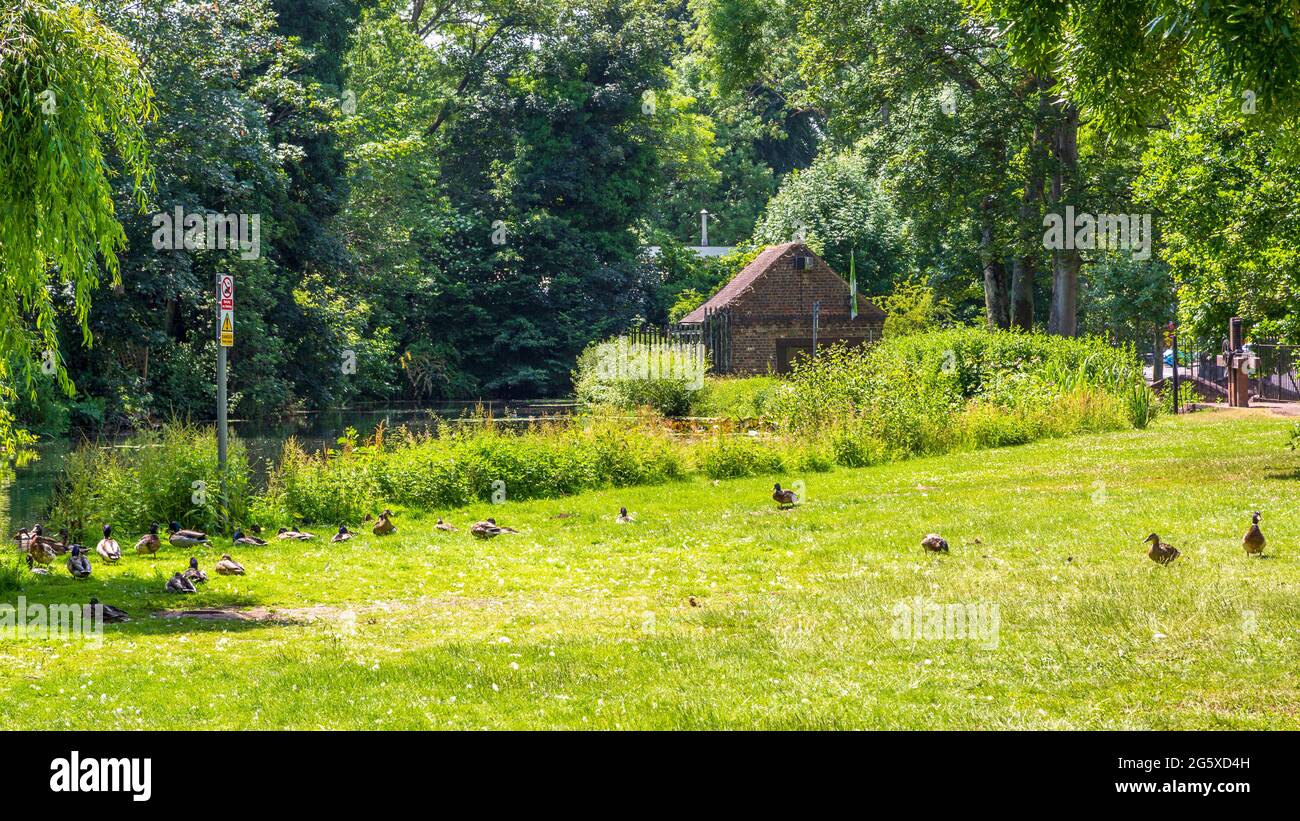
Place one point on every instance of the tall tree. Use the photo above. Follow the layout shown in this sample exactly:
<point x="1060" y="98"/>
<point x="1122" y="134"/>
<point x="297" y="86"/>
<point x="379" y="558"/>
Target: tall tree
<point x="71" y="92"/>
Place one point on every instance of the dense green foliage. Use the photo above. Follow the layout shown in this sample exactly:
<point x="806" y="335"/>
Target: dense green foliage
<point x="71" y="93"/>
<point x="930" y="393"/>
<point x="456" y="199"/>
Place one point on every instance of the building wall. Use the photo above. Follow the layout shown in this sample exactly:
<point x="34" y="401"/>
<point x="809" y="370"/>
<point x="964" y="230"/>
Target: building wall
<point x="779" y="307"/>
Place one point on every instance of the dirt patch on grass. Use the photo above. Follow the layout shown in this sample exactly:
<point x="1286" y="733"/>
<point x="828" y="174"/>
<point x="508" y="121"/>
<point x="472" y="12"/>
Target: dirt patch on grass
<point x="278" y="615"/>
<point x="221" y="614"/>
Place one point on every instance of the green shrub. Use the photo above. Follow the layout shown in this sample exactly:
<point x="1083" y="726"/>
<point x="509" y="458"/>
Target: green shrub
<point x="626" y="374"/>
<point x="985" y="425"/>
<point x="334" y="486"/>
<point x="731" y="457"/>
<point x="12" y="573"/>
<point x="912" y="391"/>
<point x="853" y="445"/>
<point x="735" y="397"/>
<point x="151" y="477"/>
<point x="1142" y="405"/>
<point x="923" y="393"/>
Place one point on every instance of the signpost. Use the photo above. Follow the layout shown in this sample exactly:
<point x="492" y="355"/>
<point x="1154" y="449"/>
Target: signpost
<point x="1173" y="345"/>
<point x="225" y="339"/>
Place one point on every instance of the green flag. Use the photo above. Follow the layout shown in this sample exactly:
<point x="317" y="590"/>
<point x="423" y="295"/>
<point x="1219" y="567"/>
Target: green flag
<point x="853" y="285"/>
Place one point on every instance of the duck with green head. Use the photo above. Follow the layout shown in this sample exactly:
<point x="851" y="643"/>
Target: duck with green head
<point x="252" y="541"/>
<point x="108" y="548"/>
<point x="78" y="564"/>
<point x="186" y="538"/>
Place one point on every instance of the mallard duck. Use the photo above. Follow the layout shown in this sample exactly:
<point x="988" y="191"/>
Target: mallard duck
<point x="229" y="567"/>
<point x="784" y="498"/>
<point x="488" y="528"/>
<point x="107" y="613"/>
<point x="149" y="542"/>
<point x="108" y="548"/>
<point x="622" y="517"/>
<point x="934" y="543"/>
<point x="384" y="524"/>
<point x="343" y="535"/>
<point x="78" y="564"/>
<point x="186" y="538"/>
<point x="57" y="546"/>
<point x="24" y="539"/>
<point x="193" y="573"/>
<point x="443" y="526"/>
<point x="1160" y="553"/>
<point x="300" y="535"/>
<point x="254" y="541"/>
<point x="38" y="550"/>
<point x="1253" y="541"/>
<point x="180" y="584"/>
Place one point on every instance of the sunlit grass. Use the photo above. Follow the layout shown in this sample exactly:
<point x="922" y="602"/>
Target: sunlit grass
<point x="579" y="622"/>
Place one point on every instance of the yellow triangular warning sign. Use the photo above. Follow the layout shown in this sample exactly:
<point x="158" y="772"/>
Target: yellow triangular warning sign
<point x="225" y="324"/>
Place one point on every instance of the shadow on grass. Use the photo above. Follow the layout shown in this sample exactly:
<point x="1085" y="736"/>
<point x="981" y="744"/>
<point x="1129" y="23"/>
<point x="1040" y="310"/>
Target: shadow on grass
<point x="144" y="599"/>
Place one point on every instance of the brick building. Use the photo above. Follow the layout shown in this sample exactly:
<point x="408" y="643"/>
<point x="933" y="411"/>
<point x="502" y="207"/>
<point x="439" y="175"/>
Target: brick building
<point x="763" y="317"/>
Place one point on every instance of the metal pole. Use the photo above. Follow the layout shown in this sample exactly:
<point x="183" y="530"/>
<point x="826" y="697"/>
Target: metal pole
<point x="221" y="423"/>
<point x="1173" y="342"/>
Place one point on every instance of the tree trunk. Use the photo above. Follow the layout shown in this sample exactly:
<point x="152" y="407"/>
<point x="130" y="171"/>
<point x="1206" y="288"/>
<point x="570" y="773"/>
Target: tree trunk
<point x="1030" y="225"/>
<point x="1067" y="261"/>
<point x="1023" y="268"/>
<point x="997" y="307"/>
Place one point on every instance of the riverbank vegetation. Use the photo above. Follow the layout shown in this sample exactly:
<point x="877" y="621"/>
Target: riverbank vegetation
<point x="909" y="396"/>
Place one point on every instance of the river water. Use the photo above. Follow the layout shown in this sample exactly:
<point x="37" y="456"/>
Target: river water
<point x="25" y="495"/>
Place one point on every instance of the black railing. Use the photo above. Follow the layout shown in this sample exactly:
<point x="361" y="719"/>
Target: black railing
<point x="1275" y="376"/>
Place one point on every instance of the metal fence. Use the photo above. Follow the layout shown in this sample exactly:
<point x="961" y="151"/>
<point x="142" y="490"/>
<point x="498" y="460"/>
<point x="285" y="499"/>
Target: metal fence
<point x="1275" y="378"/>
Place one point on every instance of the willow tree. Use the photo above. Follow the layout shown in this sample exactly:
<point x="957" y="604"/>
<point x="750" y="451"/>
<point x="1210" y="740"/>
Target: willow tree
<point x="73" y="103"/>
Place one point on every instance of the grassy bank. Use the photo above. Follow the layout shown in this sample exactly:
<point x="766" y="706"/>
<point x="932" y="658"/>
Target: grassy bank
<point x="578" y="622"/>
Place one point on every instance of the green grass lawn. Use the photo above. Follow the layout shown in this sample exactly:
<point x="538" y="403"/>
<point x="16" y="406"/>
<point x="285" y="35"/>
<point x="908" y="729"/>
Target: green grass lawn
<point x="581" y="623"/>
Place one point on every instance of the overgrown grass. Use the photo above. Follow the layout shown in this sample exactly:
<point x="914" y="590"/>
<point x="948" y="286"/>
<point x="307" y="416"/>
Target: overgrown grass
<point x="735" y="397"/>
<point x="924" y="394"/>
<point x="577" y="622"/>
<point x="458" y="465"/>
<point x="154" y="477"/>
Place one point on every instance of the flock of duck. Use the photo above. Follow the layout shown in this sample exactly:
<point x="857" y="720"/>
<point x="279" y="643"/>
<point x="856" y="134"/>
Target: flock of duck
<point x="42" y="550"/>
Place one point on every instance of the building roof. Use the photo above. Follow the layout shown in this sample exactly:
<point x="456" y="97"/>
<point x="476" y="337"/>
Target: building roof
<point x="745" y="280"/>
<point x="740" y="282"/>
